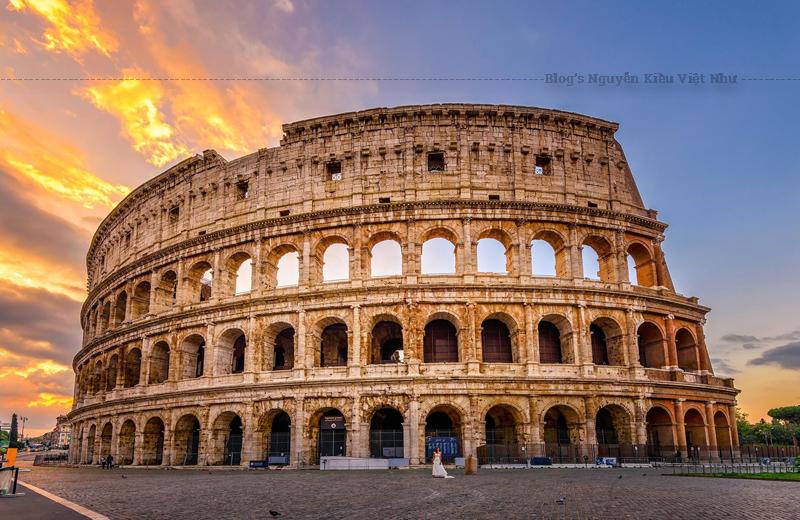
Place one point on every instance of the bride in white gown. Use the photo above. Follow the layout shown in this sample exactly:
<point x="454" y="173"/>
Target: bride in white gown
<point x="438" y="468"/>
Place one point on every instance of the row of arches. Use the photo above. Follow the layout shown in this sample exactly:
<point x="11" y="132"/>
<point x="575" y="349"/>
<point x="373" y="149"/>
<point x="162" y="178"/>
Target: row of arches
<point x="442" y="342"/>
<point x="502" y="428"/>
<point x="331" y="262"/>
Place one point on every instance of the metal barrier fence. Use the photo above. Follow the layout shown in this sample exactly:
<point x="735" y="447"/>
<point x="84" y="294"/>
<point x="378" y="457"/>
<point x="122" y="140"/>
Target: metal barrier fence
<point x="734" y="467"/>
<point x="633" y="453"/>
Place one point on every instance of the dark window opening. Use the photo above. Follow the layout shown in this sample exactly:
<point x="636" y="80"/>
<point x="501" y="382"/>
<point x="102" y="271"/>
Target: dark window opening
<point x="542" y="166"/>
<point x="242" y="190"/>
<point x="549" y="343"/>
<point x="496" y="342"/>
<point x="494" y="197"/>
<point x="284" y="212"/>
<point x="238" y="355"/>
<point x="384" y="200"/>
<point x="334" y="170"/>
<point x="441" y="342"/>
<point x="436" y="162"/>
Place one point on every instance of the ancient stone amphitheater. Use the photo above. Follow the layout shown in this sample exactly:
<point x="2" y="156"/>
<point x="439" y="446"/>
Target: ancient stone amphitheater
<point x="336" y="296"/>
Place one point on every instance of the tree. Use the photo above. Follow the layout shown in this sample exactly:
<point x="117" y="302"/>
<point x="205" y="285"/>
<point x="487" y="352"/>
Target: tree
<point x="789" y="417"/>
<point x="12" y="434"/>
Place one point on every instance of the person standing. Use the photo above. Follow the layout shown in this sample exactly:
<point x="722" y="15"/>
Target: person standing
<point x="438" y="467"/>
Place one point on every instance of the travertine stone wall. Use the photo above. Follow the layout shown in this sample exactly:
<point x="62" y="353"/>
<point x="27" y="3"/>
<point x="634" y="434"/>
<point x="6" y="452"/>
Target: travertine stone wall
<point x="148" y="318"/>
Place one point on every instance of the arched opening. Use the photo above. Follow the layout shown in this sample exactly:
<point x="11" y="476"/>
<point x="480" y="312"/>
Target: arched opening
<point x="501" y="432"/>
<point x="336" y="263"/>
<point x="386" y="259"/>
<point x="688" y="353"/>
<point x="167" y="291"/>
<point x="227" y="437"/>
<point x="608" y="345"/>
<point x="496" y="342"/>
<point x="288" y="270"/>
<point x="438" y="256"/>
<point x="127" y="438"/>
<point x="159" y="363"/>
<point x="332" y="440"/>
<point x="695" y="427"/>
<point x="543" y="258"/>
<point x="111" y="373"/>
<point x="194" y="356"/>
<point x="386" y="434"/>
<point x="641" y="266"/>
<point x="240" y="267"/>
<point x="333" y="346"/>
<point x="443" y="430"/>
<point x="106" y="435"/>
<point x="604" y="428"/>
<point x="549" y="343"/>
<point x="387" y="342"/>
<point x="279" y="436"/>
<point x="562" y="434"/>
<point x="231" y="347"/>
<point x="140" y="303"/>
<point x="120" y="306"/>
<point x="200" y="281"/>
<point x="599" y="345"/>
<point x="153" y="442"/>
<point x="723" y="430"/>
<point x="187" y="441"/>
<point x="283" y="350"/>
<point x="105" y="318"/>
<point x="651" y="345"/>
<point x="133" y="367"/>
<point x="660" y="439"/>
<point x="90" y="444"/>
<point x="492" y="256"/>
<point x="97" y="378"/>
<point x="614" y="434"/>
<point x="597" y="258"/>
<point x="440" y="343"/>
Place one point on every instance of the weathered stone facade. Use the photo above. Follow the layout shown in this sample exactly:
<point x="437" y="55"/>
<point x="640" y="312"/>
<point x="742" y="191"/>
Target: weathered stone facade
<point x="174" y="366"/>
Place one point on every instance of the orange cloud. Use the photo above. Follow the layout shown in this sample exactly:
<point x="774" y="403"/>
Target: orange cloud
<point x="72" y="28"/>
<point x="25" y="270"/>
<point x="138" y="106"/>
<point x="32" y="154"/>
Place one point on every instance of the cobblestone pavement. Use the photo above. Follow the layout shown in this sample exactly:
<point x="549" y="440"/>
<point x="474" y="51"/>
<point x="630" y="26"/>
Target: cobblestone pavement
<point x="413" y="494"/>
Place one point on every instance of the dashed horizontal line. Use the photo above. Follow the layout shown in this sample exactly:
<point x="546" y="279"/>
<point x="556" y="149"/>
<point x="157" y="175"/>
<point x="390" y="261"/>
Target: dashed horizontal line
<point x="94" y="78"/>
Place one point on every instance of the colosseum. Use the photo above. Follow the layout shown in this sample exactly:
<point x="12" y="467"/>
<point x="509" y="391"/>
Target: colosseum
<point x="481" y="278"/>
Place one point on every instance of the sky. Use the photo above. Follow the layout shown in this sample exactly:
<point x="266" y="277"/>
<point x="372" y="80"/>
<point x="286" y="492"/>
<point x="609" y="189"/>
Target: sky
<point x="716" y="160"/>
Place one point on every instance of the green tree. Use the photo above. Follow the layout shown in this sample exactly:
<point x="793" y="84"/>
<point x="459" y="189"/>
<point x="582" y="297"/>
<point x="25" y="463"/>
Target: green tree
<point x="12" y="434"/>
<point x="788" y="417"/>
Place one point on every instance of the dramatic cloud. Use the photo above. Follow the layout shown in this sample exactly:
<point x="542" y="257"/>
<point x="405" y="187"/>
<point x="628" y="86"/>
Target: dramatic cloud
<point x="138" y="106"/>
<point x="738" y="338"/>
<point x="723" y="367"/>
<point x="73" y="28"/>
<point x="785" y="356"/>
<point x="38" y="249"/>
<point x="34" y="155"/>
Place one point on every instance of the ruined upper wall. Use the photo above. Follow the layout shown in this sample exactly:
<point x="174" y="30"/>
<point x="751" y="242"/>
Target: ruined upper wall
<point x="490" y="152"/>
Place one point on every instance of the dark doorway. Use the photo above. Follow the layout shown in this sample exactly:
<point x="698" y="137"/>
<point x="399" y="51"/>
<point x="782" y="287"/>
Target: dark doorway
<point x="386" y="434"/>
<point x="332" y="434"/>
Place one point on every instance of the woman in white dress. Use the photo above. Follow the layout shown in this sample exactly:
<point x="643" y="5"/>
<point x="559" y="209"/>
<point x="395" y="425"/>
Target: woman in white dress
<point x="438" y="468"/>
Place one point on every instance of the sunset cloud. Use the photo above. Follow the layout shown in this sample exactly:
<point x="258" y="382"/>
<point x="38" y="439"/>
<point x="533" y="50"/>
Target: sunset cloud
<point x="74" y="28"/>
<point x="31" y="153"/>
<point x="138" y="105"/>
